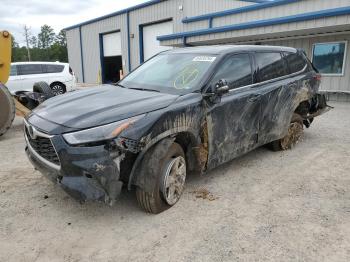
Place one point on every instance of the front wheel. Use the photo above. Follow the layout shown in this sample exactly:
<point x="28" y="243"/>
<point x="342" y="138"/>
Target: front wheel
<point x="170" y="173"/>
<point x="295" y="131"/>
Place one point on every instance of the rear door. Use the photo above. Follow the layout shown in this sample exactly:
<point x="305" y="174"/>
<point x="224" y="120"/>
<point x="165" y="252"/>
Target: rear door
<point x="274" y="86"/>
<point x="32" y="73"/>
<point x="233" y="122"/>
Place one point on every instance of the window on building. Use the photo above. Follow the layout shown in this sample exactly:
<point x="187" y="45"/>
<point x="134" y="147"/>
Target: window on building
<point x="13" y="71"/>
<point x="295" y="62"/>
<point x="270" y="65"/>
<point x="329" y="58"/>
<point x="236" y="70"/>
<point x="30" y="69"/>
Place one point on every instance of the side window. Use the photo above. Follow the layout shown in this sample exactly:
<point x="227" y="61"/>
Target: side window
<point x="295" y="62"/>
<point x="30" y="69"/>
<point x="13" y="71"/>
<point x="54" y="68"/>
<point x="270" y="66"/>
<point x="236" y="70"/>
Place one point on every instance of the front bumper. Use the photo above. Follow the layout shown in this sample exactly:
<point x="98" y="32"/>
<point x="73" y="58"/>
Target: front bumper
<point x="85" y="173"/>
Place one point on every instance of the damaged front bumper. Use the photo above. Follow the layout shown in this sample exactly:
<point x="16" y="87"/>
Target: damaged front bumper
<point x="85" y="173"/>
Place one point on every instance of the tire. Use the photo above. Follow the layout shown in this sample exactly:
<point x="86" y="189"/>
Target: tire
<point x="295" y="131"/>
<point x="58" y="88"/>
<point x="43" y="88"/>
<point x="162" y="169"/>
<point x="7" y="109"/>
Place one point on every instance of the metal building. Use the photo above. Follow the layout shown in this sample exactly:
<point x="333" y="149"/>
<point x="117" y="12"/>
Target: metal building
<point x="124" y="39"/>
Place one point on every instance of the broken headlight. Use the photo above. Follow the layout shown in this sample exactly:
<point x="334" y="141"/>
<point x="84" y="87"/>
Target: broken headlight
<point x="100" y="133"/>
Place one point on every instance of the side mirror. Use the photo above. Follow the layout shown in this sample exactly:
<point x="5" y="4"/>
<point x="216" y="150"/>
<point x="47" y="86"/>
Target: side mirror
<point x="221" y="87"/>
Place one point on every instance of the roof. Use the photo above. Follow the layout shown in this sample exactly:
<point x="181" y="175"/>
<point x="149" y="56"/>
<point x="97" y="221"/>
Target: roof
<point x="39" y="62"/>
<point x="123" y="11"/>
<point x="223" y="49"/>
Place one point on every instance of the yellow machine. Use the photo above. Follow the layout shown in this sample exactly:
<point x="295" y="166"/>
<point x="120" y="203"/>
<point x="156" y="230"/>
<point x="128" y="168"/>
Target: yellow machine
<point x="7" y="103"/>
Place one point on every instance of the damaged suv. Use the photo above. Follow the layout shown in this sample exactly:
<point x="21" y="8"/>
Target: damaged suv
<point x="184" y="110"/>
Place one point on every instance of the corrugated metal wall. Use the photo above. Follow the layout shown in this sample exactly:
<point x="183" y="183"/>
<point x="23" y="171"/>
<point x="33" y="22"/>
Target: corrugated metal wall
<point x="170" y="10"/>
<point x="73" y="45"/>
<point x="91" y="46"/>
<point x="258" y="33"/>
<point x="161" y="11"/>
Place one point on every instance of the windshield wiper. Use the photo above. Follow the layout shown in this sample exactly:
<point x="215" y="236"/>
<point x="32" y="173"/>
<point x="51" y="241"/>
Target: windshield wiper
<point x="144" y="89"/>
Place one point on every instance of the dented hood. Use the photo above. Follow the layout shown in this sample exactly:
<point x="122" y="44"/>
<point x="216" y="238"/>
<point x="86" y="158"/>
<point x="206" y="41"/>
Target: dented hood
<point x="100" y="105"/>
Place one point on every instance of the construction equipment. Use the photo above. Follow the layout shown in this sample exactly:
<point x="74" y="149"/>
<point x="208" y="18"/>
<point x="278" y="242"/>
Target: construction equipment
<point x="7" y="103"/>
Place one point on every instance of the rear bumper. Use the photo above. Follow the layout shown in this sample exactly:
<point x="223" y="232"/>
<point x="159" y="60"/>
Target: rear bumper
<point x="83" y="179"/>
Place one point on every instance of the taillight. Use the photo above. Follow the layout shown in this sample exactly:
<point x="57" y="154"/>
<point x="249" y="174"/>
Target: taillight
<point x="70" y="71"/>
<point x="317" y="77"/>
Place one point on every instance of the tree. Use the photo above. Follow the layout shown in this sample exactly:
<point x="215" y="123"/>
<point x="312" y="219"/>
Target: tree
<point x="33" y="41"/>
<point x="61" y="38"/>
<point x="47" y="46"/>
<point x="27" y="35"/>
<point x="46" y="37"/>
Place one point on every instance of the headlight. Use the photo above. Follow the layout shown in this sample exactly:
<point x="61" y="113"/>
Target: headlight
<point x="100" y="133"/>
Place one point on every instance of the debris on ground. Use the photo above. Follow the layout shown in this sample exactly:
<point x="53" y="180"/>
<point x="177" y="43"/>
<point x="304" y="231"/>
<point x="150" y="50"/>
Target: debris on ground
<point x="204" y="194"/>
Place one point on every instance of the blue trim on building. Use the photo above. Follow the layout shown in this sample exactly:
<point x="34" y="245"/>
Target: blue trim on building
<point x="238" y="10"/>
<point x="128" y="33"/>
<point x="142" y="58"/>
<point x="127" y="10"/>
<point x="81" y="55"/>
<point x="261" y="23"/>
<point x="100" y="39"/>
<point x="258" y="1"/>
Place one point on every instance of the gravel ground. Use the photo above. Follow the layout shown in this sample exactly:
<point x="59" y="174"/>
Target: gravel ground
<point x="264" y="206"/>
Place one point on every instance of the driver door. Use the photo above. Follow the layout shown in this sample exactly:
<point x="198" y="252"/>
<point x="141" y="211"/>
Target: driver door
<point x="233" y="120"/>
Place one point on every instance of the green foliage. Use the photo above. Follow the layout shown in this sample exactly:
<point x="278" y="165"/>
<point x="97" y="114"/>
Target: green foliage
<point x="46" y="46"/>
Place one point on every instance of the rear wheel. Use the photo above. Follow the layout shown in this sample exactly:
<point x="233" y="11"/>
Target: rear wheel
<point x="7" y="109"/>
<point x="293" y="136"/>
<point x="58" y="88"/>
<point x="170" y="176"/>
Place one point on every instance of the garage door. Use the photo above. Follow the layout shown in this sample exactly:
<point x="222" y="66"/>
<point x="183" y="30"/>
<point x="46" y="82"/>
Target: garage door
<point x="112" y="45"/>
<point x="151" y="45"/>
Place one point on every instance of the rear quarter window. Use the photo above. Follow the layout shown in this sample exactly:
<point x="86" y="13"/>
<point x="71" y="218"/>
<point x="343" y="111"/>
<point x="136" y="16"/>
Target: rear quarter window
<point x="295" y="62"/>
<point x="54" y="68"/>
<point x="270" y="65"/>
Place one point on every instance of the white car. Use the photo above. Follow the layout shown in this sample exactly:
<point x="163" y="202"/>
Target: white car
<point x="59" y="76"/>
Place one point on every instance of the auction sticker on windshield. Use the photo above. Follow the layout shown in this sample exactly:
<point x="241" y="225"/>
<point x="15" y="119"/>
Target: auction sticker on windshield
<point x="204" y="59"/>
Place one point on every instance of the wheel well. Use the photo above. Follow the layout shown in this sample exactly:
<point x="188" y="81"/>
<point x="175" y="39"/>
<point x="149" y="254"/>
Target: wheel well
<point x="189" y="144"/>
<point x="60" y="83"/>
<point x="303" y="108"/>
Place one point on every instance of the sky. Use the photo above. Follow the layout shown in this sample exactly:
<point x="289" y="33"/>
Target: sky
<point x="58" y="14"/>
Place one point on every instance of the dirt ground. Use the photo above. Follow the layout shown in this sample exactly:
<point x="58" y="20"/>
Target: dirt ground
<point x="264" y="206"/>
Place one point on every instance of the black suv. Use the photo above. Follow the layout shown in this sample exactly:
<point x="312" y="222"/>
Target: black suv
<point x="185" y="110"/>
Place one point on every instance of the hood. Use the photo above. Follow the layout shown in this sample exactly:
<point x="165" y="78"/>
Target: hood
<point x="101" y="105"/>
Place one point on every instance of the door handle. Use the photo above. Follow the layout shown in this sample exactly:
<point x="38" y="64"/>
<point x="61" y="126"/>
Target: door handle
<point x="253" y="98"/>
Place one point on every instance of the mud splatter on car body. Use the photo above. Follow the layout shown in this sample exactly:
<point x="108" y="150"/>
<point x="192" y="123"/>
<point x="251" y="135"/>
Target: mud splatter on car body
<point x="211" y="127"/>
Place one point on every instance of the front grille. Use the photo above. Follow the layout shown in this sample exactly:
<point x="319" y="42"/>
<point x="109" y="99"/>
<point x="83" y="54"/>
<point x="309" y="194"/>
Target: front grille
<point x="44" y="147"/>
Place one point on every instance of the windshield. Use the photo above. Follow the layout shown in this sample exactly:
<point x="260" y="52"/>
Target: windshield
<point x="170" y="73"/>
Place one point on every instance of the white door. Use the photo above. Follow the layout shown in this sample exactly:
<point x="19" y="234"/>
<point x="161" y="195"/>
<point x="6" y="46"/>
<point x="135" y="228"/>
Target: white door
<point x="112" y="45"/>
<point x="151" y="45"/>
<point x="32" y="73"/>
